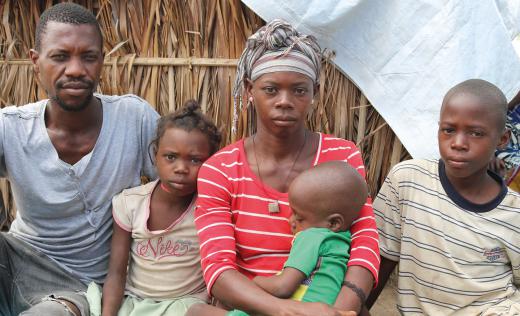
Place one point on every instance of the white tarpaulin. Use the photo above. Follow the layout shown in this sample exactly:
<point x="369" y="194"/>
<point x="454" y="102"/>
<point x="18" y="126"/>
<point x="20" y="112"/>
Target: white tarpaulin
<point x="405" y="54"/>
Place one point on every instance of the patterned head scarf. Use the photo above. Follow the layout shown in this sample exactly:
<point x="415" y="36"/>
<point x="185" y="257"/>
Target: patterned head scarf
<point x="277" y="46"/>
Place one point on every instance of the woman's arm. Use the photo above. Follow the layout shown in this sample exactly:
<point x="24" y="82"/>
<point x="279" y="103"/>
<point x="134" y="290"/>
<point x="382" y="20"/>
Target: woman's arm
<point x="237" y="291"/>
<point x="363" y="265"/>
<point x="114" y="287"/>
<point x="358" y="283"/>
<point x="213" y="220"/>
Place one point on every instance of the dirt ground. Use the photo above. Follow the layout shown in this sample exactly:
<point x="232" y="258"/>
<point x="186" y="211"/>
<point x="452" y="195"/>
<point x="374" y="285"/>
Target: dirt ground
<point x="385" y="304"/>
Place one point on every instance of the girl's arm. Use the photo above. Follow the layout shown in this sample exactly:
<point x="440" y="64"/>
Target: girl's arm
<point x="114" y="287"/>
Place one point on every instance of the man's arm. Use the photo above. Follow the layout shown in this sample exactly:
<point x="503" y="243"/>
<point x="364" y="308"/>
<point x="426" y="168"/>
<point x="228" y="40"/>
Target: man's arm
<point x="148" y="129"/>
<point x="3" y="167"/>
<point x="114" y="287"/>
<point x="387" y="267"/>
<point x="282" y="285"/>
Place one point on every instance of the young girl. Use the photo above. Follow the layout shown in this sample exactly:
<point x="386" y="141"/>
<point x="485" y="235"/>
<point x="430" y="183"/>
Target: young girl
<point x="154" y="228"/>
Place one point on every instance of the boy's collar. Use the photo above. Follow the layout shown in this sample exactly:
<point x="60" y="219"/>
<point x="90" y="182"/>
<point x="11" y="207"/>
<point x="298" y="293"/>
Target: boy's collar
<point x="463" y="202"/>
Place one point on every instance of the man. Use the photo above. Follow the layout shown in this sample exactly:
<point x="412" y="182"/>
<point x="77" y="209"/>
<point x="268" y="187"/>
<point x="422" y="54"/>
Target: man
<point x="66" y="157"/>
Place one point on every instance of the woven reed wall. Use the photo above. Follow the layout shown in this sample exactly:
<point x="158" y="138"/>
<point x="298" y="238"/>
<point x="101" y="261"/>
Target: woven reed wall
<point x="168" y="51"/>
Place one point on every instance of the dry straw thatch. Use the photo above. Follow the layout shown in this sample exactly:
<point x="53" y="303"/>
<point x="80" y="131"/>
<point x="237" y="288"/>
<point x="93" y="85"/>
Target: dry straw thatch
<point x="172" y="50"/>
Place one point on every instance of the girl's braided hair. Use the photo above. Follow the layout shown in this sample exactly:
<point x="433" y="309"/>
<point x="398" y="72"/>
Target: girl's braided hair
<point x="188" y="118"/>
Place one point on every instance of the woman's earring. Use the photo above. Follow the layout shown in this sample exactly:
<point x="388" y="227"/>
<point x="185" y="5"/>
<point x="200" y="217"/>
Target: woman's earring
<point x="250" y="101"/>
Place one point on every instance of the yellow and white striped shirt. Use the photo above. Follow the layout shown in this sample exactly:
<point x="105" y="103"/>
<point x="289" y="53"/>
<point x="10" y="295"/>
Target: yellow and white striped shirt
<point x="454" y="257"/>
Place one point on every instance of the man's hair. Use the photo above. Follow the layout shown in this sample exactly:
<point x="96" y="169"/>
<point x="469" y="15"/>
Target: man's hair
<point x="487" y="93"/>
<point x="66" y="12"/>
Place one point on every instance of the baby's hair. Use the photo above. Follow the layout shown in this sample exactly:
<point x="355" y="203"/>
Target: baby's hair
<point x="188" y="118"/>
<point x="330" y="187"/>
<point x="486" y="92"/>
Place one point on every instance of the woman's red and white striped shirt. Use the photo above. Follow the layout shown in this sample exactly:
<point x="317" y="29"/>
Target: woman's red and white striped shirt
<point x="236" y="230"/>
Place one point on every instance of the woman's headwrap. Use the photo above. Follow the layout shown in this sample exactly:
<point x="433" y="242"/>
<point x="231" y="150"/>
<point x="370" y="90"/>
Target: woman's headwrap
<point x="277" y="46"/>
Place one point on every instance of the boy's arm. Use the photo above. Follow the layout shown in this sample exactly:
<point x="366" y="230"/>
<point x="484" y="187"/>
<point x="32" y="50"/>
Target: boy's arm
<point x="282" y="285"/>
<point x="114" y="287"/>
<point x="388" y="216"/>
<point x="387" y="267"/>
<point x="514" y="259"/>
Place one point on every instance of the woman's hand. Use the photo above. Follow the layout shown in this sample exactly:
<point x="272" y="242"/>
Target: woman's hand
<point x="294" y="308"/>
<point x="235" y="290"/>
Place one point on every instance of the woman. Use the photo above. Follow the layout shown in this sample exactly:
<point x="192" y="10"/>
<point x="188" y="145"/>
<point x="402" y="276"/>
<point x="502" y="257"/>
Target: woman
<point x="243" y="210"/>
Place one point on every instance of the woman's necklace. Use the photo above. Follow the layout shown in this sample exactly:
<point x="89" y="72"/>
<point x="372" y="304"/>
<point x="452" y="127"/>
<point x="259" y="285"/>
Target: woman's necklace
<point x="274" y="206"/>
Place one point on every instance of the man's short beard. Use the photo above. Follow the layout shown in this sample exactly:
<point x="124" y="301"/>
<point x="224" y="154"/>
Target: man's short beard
<point x="68" y="108"/>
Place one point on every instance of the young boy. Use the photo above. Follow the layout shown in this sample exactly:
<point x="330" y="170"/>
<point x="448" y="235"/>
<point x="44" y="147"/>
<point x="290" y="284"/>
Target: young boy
<point x="452" y="226"/>
<point x="324" y="200"/>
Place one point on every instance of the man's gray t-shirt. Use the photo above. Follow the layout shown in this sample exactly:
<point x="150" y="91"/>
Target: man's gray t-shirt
<point x="64" y="210"/>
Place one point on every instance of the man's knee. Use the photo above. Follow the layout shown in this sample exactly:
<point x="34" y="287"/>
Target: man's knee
<point x="3" y="252"/>
<point x="49" y="307"/>
<point x="8" y="252"/>
<point x="6" y="276"/>
<point x="72" y="304"/>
